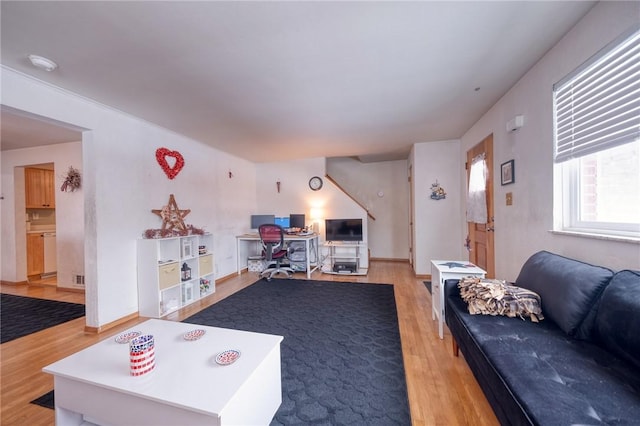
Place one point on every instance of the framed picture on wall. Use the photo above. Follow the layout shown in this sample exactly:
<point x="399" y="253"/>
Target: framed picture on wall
<point x="507" y="173"/>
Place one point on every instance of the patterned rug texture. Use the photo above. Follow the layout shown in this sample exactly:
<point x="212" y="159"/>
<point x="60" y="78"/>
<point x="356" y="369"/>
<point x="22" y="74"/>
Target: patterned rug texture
<point x="47" y="400"/>
<point x="341" y="354"/>
<point x="20" y="316"/>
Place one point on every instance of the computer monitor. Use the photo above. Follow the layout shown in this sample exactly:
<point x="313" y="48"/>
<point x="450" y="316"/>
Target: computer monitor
<point x="260" y="219"/>
<point x="296" y="221"/>
<point x="282" y="221"/>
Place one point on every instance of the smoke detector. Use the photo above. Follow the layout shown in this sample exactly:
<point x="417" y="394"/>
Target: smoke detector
<point x="43" y="63"/>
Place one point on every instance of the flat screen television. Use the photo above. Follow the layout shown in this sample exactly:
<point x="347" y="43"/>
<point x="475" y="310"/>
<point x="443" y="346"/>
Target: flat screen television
<point x="259" y="219"/>
<point x="343" y="229"/>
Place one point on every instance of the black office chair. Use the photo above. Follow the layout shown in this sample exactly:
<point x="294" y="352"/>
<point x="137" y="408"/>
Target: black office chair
<point x="272" y="239"/>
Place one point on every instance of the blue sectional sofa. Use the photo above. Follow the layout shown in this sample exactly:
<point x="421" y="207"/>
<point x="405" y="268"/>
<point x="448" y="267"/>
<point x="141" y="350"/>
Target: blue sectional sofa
<point x="579" y="366"/>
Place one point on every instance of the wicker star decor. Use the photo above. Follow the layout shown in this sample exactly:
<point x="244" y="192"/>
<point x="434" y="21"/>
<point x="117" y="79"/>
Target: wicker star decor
<point x="172" y="216"/>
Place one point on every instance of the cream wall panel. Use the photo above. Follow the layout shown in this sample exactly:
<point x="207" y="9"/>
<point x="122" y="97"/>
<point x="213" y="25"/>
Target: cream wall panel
<point x="437" y="234"/>
<point x="523" y="228"/>
<point x="295" y="196"/>
<point x="123" y="183"/>
<point x="389" y="232"/>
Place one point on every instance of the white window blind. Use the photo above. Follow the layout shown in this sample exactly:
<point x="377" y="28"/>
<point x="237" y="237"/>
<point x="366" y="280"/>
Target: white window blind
<point x="598" y="105"/>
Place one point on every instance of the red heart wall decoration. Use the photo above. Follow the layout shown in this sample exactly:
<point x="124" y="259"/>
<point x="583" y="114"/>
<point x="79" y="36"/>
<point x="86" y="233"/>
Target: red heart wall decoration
<point x="162" y="157"/>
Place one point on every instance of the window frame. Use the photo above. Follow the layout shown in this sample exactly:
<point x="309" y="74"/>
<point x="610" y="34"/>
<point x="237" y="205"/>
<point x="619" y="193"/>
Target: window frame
<point x="571" y="208"/>
<point x="567" y="174"/>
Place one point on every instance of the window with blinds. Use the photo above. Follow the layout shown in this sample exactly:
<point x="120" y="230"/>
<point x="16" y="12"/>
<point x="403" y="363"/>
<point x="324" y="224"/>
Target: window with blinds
<point x="597" y="142"/>
<point x="598" y="105"/>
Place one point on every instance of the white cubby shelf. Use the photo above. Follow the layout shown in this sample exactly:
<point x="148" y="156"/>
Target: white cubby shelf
<point x="164" y="285"/>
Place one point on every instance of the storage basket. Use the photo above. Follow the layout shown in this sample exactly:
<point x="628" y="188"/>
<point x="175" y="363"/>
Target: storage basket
<point x="256" y="264"/>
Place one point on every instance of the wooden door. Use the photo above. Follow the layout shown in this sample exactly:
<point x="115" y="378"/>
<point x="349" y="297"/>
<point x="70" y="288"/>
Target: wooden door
<point x="481" y="235"/>
<point x="35" y="254"/>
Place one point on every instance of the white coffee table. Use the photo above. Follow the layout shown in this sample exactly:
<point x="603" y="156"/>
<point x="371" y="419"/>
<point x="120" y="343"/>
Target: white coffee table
<point x="187" y="386"/>
<point x="442" y="270"/>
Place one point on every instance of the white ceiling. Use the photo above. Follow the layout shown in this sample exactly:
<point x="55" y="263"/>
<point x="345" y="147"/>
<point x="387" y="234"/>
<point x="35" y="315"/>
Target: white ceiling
<point x="273" y="81"/>
<point x="21" y="130"/>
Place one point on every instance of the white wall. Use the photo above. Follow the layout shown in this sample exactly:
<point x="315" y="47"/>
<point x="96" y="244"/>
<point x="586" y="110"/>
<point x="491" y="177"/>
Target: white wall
<point x="437" y="234"/>
<point x="523" y="228"/>
<point x="296" y="197"/>
<point x="123" y="183"/>
<point x="69" y="212"/>
<point x="389" y="232"/>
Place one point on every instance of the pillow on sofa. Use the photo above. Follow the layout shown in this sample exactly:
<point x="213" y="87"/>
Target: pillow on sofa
<point x="617" y="322"/>
<point x="494" y="297"/>
<point x="569" y="289"/>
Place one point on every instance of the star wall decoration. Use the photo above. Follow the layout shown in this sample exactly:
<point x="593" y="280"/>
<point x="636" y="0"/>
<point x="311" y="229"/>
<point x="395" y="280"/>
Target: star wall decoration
<point x="172" y="217"/>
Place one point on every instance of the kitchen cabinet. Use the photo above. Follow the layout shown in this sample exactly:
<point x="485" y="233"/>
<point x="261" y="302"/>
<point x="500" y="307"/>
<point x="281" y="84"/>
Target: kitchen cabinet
<point x="39" y="188"/>
<point x="35" y="254"/>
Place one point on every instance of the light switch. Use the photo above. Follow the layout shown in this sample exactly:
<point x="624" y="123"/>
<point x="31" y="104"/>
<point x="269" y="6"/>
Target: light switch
<point x="509" y="198"/>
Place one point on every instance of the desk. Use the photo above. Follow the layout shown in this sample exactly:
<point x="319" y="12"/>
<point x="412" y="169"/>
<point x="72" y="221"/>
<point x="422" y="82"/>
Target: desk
<point x="245" y="241"/>
<point x="442" y="270"/>
<point x="186" y="387"/>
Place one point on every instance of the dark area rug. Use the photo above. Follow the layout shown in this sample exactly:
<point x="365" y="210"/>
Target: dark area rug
<point x="427" y="284"/>
<point x="46" y="400"/>
<point x="341" y="353"/>
<point x="20" y="315"/>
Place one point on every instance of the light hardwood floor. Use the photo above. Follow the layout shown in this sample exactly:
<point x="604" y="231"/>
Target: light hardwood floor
<point x="441" y="388"/>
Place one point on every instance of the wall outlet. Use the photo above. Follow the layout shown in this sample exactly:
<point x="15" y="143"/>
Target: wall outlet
<point x="509" y="198"/>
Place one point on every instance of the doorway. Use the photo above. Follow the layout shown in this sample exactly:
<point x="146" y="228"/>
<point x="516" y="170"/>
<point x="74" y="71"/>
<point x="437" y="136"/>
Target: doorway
<point x="481" y="235"/>
<point x="411" y="215"/>
<point x="49" y="148"/>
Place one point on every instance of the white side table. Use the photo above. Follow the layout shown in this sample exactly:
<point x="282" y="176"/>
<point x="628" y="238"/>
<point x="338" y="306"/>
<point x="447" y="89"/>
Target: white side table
<point x="442" y="270"/>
